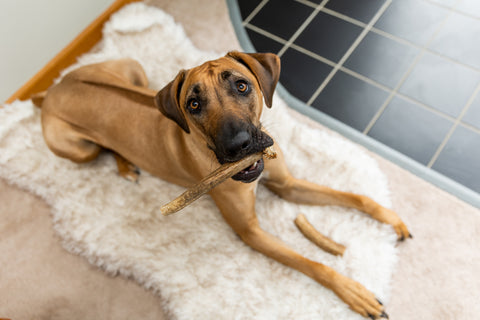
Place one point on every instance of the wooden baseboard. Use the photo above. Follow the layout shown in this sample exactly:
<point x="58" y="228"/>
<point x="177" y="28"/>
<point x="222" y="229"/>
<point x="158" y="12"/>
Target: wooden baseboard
<point x="85" y="41"/>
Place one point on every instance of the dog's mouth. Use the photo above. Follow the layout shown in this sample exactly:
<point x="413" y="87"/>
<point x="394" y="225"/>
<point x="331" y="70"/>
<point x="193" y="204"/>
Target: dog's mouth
<point x="258" y="142"/>
<point x="251" y="173"/>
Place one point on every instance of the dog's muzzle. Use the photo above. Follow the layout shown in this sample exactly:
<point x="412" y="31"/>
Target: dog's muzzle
<point x="236" y="146"/>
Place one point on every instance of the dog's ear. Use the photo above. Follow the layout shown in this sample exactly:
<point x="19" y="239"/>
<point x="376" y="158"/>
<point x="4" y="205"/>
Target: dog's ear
<point x="167" y="101"/>
<point x="265" y="67"/>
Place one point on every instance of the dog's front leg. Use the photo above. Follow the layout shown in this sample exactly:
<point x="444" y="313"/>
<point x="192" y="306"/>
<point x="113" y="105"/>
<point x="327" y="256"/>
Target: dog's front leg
<point x="280" y="181"/>
<point x="236" y="202"/>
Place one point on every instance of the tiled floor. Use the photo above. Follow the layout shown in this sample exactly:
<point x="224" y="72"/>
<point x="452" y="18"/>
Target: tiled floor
<point x="404" y="72"/>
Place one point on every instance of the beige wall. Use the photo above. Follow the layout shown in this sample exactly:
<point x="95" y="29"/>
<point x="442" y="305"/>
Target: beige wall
<point x="33" y="31"/>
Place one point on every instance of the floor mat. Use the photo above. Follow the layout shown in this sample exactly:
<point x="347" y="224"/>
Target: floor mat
<point x="193" y="259"/>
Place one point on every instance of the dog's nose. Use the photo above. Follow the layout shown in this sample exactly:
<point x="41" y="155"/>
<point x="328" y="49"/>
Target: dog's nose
<point x="240" y="142"/>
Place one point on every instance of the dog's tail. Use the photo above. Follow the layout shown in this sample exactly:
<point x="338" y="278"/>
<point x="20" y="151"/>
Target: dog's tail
<point x="38" y="98"/>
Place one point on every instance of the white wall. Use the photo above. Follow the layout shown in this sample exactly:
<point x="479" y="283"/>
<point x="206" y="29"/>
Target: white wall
<point x="33" y="31"/>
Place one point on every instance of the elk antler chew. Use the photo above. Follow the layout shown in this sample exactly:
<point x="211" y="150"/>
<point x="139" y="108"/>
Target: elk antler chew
<point x="221" y="174"/>
<point x="316" y="237"/>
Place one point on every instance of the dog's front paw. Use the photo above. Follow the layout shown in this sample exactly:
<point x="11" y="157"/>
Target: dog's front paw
<point x="132" y="174"/>
<point x="390" y="217"/>
<point x="402" y="231"/>
<point x="358" y="298"/>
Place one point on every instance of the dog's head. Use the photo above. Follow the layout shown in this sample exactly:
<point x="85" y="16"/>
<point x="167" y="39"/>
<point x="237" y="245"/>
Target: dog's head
<point x="221" y="101"/>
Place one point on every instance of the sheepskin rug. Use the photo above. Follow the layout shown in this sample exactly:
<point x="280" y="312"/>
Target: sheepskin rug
<point x="193" y="260"/>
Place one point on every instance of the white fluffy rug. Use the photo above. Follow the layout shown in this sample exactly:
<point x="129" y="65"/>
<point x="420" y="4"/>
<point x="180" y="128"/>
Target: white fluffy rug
<point x="192" y="259"/>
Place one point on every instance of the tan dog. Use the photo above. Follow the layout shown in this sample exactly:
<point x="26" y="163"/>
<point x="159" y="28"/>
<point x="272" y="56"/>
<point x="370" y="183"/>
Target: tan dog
<point x="215" y="109"/>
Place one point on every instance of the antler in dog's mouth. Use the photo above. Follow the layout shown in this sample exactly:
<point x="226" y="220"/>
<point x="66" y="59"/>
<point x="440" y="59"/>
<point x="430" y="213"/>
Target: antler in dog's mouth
<point x="221" y="174"/>
<point x="260" y="142"/>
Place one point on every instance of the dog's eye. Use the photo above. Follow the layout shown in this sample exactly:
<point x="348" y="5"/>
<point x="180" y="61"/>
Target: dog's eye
<point x="194" y="106"/>
<point x="242" y="86"/>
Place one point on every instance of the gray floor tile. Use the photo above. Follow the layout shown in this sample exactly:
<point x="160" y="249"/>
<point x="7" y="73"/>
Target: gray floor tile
<point x="458" y="39"/>
<point x="302" y="75"/>
<point x="446" y="3"/>
<point x="350" y="100"/>
<point x="412" y="20"/>
<point x="460" y="159"/>
<point x="410" y="129"/>
<point x="441" y="84"/>
<point x="247" y="7"/>
<point x="472" y="116"/>
<point x="381" y="59"/>
<point x="470" y="7"/>
<point x="328" y="36"/>
<point x="262" y="43"/>
<point x="362" y="10"/>
<point x="282" y="17"/>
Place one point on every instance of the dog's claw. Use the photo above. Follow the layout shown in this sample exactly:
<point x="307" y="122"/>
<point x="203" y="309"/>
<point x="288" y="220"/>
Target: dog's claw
<point x="390" y="217"/>
<point x="383" y="315"/>
<point x="402" y="236"/>
<point x="358" y="298"/>
<point x="402" y="232"/>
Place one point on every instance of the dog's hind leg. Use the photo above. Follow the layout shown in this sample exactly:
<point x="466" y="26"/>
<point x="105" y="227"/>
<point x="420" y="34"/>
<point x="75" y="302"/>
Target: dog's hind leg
<point x="67" y="141"/>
